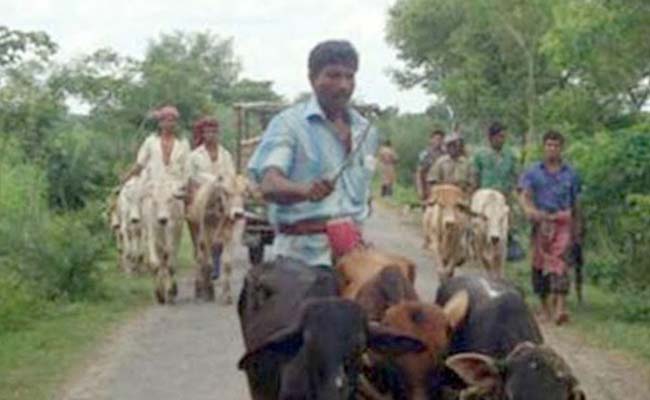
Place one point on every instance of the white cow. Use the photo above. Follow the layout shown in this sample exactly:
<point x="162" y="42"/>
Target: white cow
<point x="132" y="235"/>
<point x="164" y="214"/>
<point x="490" y="230"/>
<point x="113" y="216"/>
<point x="216" y="211"/>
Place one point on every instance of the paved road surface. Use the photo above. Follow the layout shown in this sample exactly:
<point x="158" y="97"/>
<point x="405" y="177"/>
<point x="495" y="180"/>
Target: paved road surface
<point x="190" y="350"/>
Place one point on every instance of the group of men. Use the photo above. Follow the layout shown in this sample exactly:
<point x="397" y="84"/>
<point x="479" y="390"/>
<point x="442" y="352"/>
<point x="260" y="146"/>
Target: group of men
<point x="167" y="175"/>
<point x="315" y="163"/>
<point x="547" y="192"/>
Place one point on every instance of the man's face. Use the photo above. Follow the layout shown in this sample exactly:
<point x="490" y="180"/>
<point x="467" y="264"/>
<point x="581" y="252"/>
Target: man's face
<point x="334" y="85"/>
<point x="436" y="141"/>
<point x="497" y="140"/>
<point x="211" y="134"/>
<point x="454" y="148"/>
<point x="167" y="123"/>
<point x="552" y="150"/>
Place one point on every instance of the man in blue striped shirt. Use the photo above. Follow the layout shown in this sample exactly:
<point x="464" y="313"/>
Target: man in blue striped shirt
<point x="303" y="149"/>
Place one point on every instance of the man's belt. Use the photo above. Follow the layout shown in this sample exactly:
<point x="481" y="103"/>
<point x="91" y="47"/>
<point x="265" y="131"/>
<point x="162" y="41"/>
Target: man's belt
<point x="304" y="227"/>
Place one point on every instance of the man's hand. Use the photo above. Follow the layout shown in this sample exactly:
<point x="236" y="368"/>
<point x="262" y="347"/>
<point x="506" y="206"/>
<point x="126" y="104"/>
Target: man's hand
<point x="319" y="189"/>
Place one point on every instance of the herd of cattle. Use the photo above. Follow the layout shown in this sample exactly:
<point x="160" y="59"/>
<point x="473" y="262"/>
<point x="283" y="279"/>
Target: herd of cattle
<point x="147" y="218"/>
<point x="359" y="330"/>
<point x="456" y="231"/>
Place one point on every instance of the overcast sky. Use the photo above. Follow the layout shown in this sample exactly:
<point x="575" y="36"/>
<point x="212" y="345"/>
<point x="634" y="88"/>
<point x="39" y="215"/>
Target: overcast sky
<point x="271" y="37"/>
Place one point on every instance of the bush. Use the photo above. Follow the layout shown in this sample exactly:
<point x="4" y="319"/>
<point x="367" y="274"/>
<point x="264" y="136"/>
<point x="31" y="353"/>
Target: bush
<point x="54" y="256"/>
<point x="634" y="305"/>
<point x="18" y="305"/>
<point x="58" y="258"/>
<point x="615" y="169"/>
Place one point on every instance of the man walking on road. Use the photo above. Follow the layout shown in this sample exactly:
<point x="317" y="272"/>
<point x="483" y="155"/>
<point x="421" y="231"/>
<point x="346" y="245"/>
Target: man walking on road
<point x="496" y="165"/>
<point x="496" y="168"/>
<point x="454" y="167"/>
<point x="298" y="161"/>
<point x="426" y="159"/>
<point x="387" y="161"/>
<point x="549" y="197"/>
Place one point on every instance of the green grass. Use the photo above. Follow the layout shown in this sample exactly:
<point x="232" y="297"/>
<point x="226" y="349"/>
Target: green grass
<point x="36" y="359"/>
<point x="600" y="320"/>
<point x="39" y="355"/>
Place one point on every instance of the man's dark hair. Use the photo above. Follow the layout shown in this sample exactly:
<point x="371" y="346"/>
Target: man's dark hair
<point x="553" y="135"/>
<point x="495" y="128"/>
<point x="387" y="142"/>
<point x="437" y="132"/>
<point x="332" y="52"/>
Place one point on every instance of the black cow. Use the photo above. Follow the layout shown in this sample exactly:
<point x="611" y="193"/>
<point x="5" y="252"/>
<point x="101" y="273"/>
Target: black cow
<point x="302" y="341"/>
<point x="498" y="350"/>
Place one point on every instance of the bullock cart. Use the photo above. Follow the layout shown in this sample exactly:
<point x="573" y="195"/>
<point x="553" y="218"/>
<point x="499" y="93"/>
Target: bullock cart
<point x="251" y="120"/>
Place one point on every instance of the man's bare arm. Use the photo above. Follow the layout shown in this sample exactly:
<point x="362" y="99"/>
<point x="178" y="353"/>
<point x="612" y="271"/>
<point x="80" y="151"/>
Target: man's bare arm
<point x="276" y="188"/>
<point x="135" y="170"/>
<point x="526" y="201"/>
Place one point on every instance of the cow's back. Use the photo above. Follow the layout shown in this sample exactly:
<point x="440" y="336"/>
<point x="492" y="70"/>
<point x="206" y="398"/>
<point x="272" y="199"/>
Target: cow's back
<point x="498" y="317"/>
<point x="269" y="302"/>
<point x="273" y="292"/>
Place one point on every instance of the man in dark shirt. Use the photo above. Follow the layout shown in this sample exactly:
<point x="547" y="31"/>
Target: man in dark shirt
<point x="549" y="197"/>
<point x="426" y="159"/>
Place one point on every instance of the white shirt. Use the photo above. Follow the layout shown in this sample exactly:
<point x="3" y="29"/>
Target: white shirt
<point x="150" y="157"/>
<point x="202" y="169"/>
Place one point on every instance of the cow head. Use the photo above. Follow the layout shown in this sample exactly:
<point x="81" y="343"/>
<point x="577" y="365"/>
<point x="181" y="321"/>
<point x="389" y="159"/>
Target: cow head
<point x="529" y="372"/>
<point x="491" y="214"/>
<point x="131" y="201"/>
<point x="434" y="326"/>
<point x="166" y="200"/>
<point x="321" y="352"/>
<point x="387" y="288"/>
<point x="226" y="197"/>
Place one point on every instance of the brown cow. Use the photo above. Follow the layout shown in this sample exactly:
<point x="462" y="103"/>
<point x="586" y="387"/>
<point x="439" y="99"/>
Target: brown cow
<point x="446" y="223"/>
<point x="376" y="280"/>
<point x="215" y="211"/>
<point x="434" y="326"/>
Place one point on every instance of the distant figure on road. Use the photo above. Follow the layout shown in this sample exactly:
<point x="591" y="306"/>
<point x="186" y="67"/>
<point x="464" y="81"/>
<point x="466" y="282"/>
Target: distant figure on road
<point x="496" y="166"/>
<point x="208" y="161"/>
<point x="387" y="161"/>
<point x="164" y="152"/>
<point x="426" y="159"/>
<point x="303" y="149"/>
<point x="549" y="197"/>
<point x="454" y="167"/>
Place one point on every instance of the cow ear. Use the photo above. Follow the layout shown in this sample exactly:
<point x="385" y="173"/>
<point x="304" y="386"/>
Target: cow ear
<point x="284" y="343"/>
<point x="456" y="308"/>
<point x="476" y="370"/>
<point x="391" y="342"/>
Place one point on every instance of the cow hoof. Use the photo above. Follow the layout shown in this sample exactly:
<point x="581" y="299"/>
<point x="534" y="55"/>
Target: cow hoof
<point x="160" y="297"/>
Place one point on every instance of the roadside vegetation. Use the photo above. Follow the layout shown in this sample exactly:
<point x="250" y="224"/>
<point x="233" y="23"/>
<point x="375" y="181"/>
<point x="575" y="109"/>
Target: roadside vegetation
<point x="60" y="288"/>
<point x="579" y="67"/>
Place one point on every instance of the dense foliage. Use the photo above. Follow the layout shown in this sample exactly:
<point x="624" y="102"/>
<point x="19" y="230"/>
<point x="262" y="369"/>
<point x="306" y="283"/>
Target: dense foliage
<point x="57" y="168"/>
<point x="580" y="67"/>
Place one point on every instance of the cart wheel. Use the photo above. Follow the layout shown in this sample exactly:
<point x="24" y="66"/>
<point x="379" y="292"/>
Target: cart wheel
<point x="256" y="254"/>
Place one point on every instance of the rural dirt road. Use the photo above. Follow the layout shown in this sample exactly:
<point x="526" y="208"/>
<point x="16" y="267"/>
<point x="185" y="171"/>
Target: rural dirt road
<point x="190" y="350"/>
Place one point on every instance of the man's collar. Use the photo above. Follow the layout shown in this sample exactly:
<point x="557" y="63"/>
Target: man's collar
<point x="563" y="166"/>
<point x="314" y="110"/>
